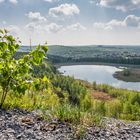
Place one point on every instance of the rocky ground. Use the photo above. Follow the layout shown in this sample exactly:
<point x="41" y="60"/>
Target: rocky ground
<point x="23" y="125"/>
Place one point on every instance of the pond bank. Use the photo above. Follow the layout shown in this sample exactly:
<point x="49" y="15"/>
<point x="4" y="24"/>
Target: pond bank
<point x="128" y="75"/>
<point x="101" y="74"/>
<point x="58" y="65"/>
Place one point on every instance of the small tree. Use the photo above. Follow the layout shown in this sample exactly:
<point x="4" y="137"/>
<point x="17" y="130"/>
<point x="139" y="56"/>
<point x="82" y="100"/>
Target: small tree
<point x="126" y="72"/>
<point x="15" y="74"/>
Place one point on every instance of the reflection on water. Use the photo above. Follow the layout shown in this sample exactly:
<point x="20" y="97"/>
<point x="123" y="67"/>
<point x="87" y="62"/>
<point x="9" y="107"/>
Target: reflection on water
<point x="98" y="73"/>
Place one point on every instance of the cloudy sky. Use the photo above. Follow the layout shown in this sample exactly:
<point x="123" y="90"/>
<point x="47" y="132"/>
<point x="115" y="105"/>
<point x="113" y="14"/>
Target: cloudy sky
<point x="72" y="22"/>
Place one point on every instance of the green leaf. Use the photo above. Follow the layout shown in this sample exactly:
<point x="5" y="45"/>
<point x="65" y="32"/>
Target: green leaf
<point x="45" y="48"/>
<point x="45" y="79"/>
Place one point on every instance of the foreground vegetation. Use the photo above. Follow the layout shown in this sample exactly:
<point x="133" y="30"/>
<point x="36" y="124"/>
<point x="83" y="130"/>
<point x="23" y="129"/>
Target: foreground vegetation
<point x="31" y="83"/>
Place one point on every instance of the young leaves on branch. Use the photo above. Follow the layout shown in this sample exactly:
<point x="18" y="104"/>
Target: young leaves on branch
<point x="15" y="74"/>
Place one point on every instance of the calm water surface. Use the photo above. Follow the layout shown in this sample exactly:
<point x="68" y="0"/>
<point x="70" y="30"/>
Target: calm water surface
<point x="100" y="74"/>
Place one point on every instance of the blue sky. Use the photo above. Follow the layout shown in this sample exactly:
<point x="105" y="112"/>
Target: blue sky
<point x="72" y="22"/>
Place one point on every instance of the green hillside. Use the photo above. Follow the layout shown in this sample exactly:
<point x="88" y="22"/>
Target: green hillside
<point x="108" y="54"/>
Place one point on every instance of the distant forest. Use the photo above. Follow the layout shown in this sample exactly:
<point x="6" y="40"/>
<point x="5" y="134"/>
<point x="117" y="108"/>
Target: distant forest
<point x="94" y="53"/>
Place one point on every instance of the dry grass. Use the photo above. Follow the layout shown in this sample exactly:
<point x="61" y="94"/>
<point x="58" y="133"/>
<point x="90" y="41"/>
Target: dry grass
<point x="101" y="96"/>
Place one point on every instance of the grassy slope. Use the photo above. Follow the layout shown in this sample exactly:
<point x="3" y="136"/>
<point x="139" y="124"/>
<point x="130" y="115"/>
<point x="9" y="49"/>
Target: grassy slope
<point x="77" y="101"/>
<point x="89" y="106"/>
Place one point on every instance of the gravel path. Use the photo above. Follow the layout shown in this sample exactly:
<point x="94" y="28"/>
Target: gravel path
<point x="113" y="129"/>
<point x="22" y="125"/>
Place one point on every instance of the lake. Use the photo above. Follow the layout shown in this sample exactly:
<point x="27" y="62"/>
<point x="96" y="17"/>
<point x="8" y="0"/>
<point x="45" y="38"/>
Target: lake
<point x="99" y="73"/>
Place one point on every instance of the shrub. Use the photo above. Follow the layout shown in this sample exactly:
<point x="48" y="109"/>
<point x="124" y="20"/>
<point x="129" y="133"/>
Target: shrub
<point x="15" y="74"/>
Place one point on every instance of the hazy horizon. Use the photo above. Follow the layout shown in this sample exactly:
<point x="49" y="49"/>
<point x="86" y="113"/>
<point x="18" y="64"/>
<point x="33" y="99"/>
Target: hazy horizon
<point x="88" y="45"/>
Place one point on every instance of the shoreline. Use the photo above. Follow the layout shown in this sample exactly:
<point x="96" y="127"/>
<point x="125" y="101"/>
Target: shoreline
<point x="132" y="75"/>
<point x="58" y="65"/>
<point x="120" y="66"/>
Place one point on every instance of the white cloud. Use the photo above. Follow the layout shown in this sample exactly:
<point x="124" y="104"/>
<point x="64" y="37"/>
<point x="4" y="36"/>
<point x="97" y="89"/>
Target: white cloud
<point x="53" y="28"/>
<point x="136" y="1"/>
<point x="129" y="21"/>
<point x="51" y="1"/>
<point x="76" y="27"/>
<point x="92" y="2"/>
<point x="132" y="20"/>
<point x="33" y="27"/>
<point x="14" y="30"/>
<point x="36" y="16"/>
<point x="13" y="1"/>
<point x="2" y="1"/>
<point x="66" y="37"/>
<point x="49" y="28"/>
<point x="64" y="9"/>
<point x="109" y="25"/>
<point x="123" y="5"/>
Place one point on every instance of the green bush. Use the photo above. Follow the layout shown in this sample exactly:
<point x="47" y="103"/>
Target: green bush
<point x="15" y="74"/>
